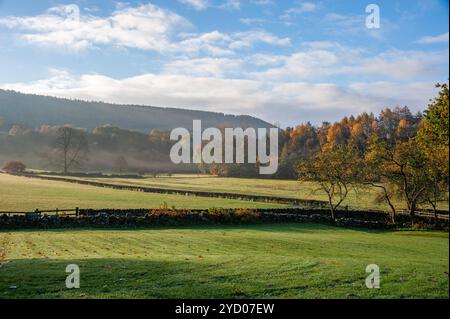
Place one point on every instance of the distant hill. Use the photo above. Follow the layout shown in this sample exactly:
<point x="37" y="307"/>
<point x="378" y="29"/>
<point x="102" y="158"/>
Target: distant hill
<point x="32" y="111"/>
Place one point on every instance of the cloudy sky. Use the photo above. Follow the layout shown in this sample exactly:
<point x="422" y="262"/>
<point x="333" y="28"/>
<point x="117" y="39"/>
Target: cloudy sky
<point x="284" y="61"/>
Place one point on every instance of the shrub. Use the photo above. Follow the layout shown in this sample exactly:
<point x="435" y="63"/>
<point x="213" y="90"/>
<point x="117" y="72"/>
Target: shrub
<point x="14" y="167"/>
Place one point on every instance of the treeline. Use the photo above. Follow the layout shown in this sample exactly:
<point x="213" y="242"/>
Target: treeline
<point x="402" y="155"/>
<point x="106" y="148"/>
<point x="31" y="111"/>
<point x="405" y="157"/>
<point x="304" y="141"/>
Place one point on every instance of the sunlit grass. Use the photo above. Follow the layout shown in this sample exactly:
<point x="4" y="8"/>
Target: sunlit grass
<point x="362" y="198"/>
<point x="27" y="194"/>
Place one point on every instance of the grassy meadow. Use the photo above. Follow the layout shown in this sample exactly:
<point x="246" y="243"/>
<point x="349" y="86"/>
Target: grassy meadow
<point x="252" y="261"/>
<point x="27" y="194"/>
<point x="264" y="261"/>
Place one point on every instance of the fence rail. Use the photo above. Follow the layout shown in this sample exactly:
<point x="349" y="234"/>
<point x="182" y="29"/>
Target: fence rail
<point x="75" y="212"/>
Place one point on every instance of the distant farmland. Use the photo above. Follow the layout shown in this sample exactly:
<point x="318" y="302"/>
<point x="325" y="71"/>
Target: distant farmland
<point x="25" y="194"/>
<point x="361" y="199"/>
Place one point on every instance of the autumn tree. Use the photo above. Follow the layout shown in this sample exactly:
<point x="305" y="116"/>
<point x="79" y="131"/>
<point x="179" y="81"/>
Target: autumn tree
<point x="375" y="174"/>
<point x="338" y="134"/>
<point x="70" y="148"/>
<point x="335" y="170"/>
<point x="358" y="138"/>
<point x="433" y="137"/>
<point x="14" y="167"/>
<point x="403" y="168"/>
<point x="397" y="124"/>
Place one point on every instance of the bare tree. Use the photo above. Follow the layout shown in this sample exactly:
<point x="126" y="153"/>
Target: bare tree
<point x="120" y="164"/>
<point x="70" y="149"/>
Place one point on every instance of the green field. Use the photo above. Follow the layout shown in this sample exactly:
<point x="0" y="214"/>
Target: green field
<point x="27" y="194"/>
<point x="363" y="198"/>
<point x="265" y="261"/>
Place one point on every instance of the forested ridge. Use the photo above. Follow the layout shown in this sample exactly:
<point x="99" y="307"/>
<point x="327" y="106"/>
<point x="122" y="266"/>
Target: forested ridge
<point x="33" y="111"/>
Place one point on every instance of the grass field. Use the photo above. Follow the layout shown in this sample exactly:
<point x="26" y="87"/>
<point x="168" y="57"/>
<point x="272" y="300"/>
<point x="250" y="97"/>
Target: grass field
<point x="363" y="199"/>
<point x="265" y="261"/>
<point x="26" y="194"/>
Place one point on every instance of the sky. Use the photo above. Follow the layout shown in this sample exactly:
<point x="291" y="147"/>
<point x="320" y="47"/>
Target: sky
<point x="286" y="62"/>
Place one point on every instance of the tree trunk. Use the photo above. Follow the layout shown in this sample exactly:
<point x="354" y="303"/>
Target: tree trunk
<point x="412" y="212"/>
<point x="333" y="215"/>
<point x="65" y="163"/>
<point x="433" y="205"/>
<point x="392" y="211"/>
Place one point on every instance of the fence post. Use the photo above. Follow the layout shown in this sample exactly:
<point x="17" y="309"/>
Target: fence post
<point x="76" y="211"/>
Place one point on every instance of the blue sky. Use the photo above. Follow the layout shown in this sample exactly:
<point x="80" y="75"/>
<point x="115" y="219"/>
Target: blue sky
<point x="285" y="61"/>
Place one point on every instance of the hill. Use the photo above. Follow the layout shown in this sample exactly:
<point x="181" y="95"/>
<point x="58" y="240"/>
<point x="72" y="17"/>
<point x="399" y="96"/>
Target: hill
<point x="31" y="111"/>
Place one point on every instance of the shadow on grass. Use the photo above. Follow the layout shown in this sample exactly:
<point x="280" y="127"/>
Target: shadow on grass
<point x="275" y="227"/>
<point x="127" y="278"/>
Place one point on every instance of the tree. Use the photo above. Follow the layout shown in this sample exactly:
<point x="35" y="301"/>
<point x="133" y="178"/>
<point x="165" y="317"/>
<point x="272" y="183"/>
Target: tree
<point x="120" y="164"/>
<point x="336" y="172"/>
<point x="70" y="148"/>
<point x="375" y="175"/>
<point x="14" y="167"/>
<point x="403" y="168"/>
<point x="396" y="124"/>
<point x="433" y="137"/>
<point x="436" y="126"/>
<point x="338" y="134"/>
<point x="358" y="138"/>
<point x="437" y="190"/>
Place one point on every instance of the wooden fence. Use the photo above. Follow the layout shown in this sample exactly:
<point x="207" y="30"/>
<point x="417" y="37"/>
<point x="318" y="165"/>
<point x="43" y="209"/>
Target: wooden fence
<point x="74" y="212"/>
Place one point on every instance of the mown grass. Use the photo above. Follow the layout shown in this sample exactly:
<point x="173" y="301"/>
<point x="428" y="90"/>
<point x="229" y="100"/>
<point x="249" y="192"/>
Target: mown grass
<point x="263" y="261"/>
<point x="27" y="194"/>
<point x="362" y="198"/>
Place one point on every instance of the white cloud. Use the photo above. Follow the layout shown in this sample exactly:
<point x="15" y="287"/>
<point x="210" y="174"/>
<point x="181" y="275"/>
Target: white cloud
<point x="401" y="65"/>
<point x="216" y="43"/>
<point x="391" y="91"/>
<point x="213" y="67"/>
<point x="303" y="7"/>
<point x="288" y="103"/>
<point x="252" y="21"/>
<point x="247" y="39"/>
<point x="267" y="60"/>
<point x="196" y="4"/>
<point x="442" y="38"/>
<point x="264" y="2"/>
<point x="354" y="25"/>
<point x="213" y="43"/>
<point x="145" y="27"/>
<point x="317" y="60"/>
<point x="231" y="5"/>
